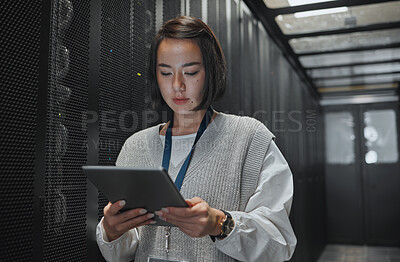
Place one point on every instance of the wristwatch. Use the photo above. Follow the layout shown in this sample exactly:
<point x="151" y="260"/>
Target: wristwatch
<point x="227" y="226"/>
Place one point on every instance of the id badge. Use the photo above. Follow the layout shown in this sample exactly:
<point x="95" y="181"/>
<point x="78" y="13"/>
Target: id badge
<point x="155" y="259"/>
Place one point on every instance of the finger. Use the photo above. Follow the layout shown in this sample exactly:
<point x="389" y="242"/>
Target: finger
<point x="188" y="219"/>
<point x="184" y="212"/>
<point x="127" y="215"/>
<point x="182" y="223"/>
<point x="115" y="208"/>
<point x="188" y="202"/>
<point x="147" y="222"/>
<point x="135" y="222"/>
<point x="201" y="209"/>
<point x="173" y="219"/>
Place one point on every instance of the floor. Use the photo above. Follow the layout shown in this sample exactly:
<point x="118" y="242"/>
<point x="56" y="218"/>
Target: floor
<point x="348" y="253"/>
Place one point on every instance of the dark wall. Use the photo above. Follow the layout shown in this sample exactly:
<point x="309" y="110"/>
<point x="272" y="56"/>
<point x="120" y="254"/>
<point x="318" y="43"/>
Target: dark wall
<point x="82" y="92"/>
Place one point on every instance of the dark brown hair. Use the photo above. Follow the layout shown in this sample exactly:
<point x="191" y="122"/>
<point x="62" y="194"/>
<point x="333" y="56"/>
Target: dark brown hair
<point x="186" y="27"/>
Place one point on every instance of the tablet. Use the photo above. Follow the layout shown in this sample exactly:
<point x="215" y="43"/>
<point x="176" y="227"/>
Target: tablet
<point x="149" y="188"/>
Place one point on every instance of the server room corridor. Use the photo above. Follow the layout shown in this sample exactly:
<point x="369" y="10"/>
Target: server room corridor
<point x="322" y="75"/>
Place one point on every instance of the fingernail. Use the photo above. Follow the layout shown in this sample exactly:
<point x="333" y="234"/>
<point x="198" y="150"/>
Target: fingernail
<point x="165" y="210"/>
<point x="122" y="203"/>
<point x="142" y="211"/>
<point x="150" y="215"/>
<point x="153" y="222"/>
<point x="163" y="218"/>
<point x="158" y="213"/>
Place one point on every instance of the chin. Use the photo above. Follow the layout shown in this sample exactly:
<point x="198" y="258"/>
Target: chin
<point x="182" y="111"/>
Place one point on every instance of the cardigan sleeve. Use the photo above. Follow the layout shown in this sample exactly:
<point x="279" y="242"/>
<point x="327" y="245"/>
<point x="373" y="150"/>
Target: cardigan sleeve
<point x="263" y="231"/>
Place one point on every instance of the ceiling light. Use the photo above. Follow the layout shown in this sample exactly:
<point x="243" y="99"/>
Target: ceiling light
<point x="306" y="2"/>
<point x="321" y="12"/>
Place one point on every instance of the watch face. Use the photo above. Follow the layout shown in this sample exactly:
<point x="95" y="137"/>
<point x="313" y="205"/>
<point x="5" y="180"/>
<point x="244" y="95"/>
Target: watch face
<point x="230" y="225"/>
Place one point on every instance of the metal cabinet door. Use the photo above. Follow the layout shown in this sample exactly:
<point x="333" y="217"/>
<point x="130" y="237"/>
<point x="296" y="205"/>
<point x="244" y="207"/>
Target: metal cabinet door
<point x="381" y="173"/>
<point x="343" y="180"/>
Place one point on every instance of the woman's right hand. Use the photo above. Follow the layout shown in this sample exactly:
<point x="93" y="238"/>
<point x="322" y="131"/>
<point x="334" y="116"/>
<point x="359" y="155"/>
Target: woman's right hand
<point x="116" y="223"/>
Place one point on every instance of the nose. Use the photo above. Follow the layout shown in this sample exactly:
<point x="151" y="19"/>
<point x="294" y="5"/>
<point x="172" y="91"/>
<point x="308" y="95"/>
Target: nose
<point x="178" y="83"/>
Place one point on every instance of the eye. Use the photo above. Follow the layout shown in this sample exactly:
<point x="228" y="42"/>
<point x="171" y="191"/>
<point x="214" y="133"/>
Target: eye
<point x="165" y="74"/>
<point x="191" y="74"/>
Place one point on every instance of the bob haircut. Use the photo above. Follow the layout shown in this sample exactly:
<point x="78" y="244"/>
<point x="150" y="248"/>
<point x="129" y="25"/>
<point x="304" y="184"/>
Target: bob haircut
<point x="186" y="27"/>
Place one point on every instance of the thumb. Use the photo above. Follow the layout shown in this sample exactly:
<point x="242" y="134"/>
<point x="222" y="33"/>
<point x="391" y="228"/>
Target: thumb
<point x="194" y="201"/>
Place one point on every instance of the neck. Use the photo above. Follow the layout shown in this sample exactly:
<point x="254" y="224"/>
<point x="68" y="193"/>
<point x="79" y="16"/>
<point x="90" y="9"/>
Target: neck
<point x="187" y="123"/>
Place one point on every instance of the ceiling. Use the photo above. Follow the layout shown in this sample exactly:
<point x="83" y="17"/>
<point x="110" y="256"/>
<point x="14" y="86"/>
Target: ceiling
<point x="340" y="47"/>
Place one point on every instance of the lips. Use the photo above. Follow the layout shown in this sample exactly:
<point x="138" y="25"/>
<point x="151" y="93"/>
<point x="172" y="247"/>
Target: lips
<point x="180" y="101"/>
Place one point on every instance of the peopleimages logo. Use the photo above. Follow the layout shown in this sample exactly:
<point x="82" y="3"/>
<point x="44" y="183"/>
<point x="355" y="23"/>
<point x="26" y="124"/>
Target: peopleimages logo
<point x="128" y="121"/>
<point x="115" y="127"/>
<point x="311" y="121"/>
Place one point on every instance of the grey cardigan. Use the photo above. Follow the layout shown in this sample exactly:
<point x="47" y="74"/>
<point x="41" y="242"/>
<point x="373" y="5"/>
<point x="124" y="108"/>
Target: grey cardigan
<point x="223" y="171"/>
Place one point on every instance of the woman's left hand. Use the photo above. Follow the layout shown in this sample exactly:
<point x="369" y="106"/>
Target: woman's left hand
<point x="197" y="220"/>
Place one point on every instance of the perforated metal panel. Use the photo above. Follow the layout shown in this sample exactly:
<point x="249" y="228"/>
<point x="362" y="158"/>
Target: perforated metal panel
<point x="195" y="8"/>
<point x="231" y="101"/>
<point x="126" y="33"/>
<point x="222" y="25"/>
<point x="64" y="237"/>
<point x="249" y="66"/>
<point x="171" y="9"/>
<point x="265" y="87"/>
<point x="143" y="15"/>
<point x="19" y="39"/>
<point x="212" y="19"/>
<point x="234" y="61"/>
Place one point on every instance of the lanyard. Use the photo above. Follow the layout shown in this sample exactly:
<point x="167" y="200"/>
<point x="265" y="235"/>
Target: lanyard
<point x="168" y="146"/>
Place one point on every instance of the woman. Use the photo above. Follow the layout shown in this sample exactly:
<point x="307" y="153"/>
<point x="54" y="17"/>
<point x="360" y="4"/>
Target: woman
<point x="238" y="185"/>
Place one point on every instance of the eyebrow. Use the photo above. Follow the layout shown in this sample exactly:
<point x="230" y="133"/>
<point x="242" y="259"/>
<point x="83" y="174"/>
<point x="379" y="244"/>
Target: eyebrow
<point x="184" y="65"/>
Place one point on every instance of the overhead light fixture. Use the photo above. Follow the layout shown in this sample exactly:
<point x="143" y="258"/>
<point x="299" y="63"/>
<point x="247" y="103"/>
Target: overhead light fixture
<point x="321" y="12"/>
<point x="306" y="2"/>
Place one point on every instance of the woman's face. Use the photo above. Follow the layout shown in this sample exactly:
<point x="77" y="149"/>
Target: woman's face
<point x="180" y="74"/>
